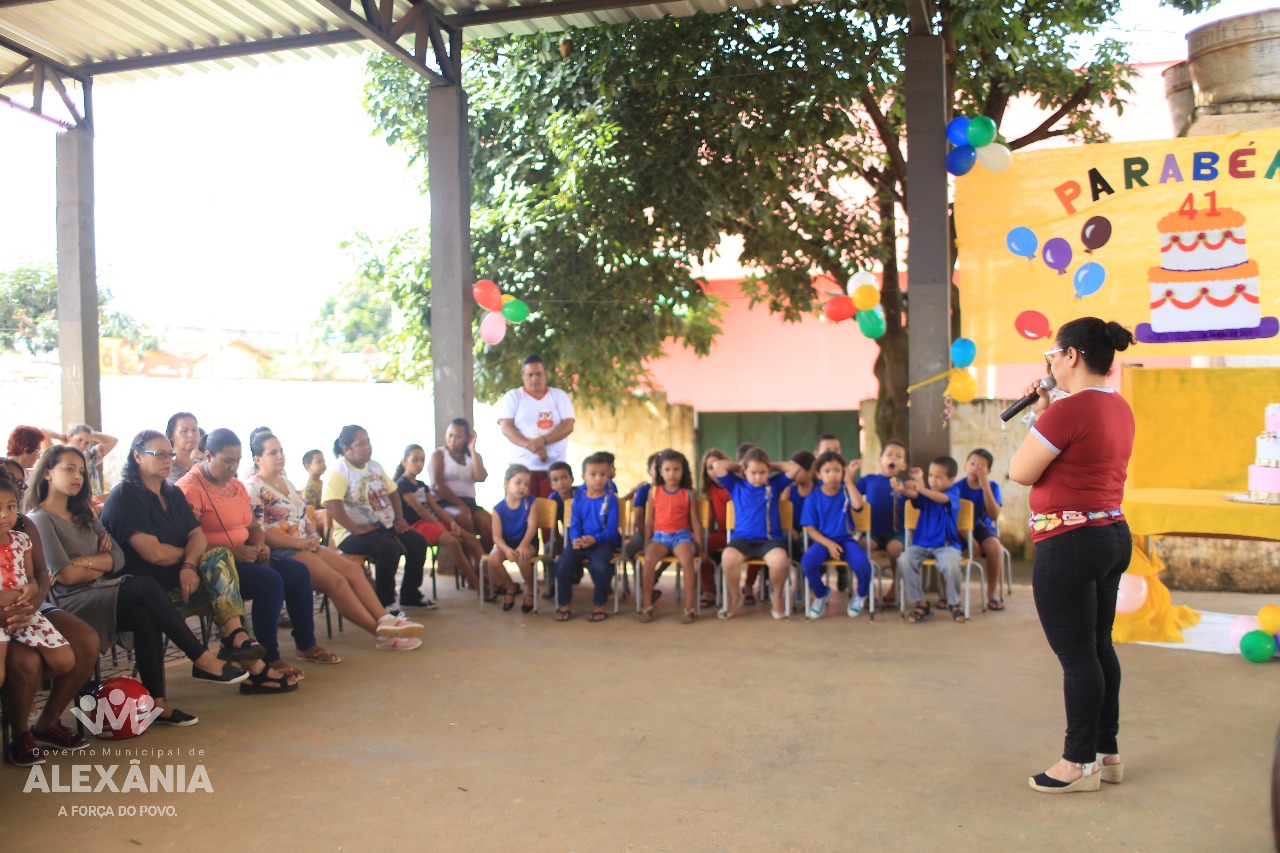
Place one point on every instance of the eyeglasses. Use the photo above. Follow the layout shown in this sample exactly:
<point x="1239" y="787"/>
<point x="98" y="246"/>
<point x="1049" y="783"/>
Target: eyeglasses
<point x="1048" y="356"/>
<point x="161" y="454"/>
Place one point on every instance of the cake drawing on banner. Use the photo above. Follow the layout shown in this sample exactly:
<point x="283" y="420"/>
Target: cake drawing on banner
<point x="1206" y="287"/>
<point x="1264" y="473"/>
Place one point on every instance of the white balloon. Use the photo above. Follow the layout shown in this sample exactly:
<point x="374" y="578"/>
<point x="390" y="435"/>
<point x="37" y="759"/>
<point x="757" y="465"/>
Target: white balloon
<point x="860" y="278"/>
<point x="995" y="157"/>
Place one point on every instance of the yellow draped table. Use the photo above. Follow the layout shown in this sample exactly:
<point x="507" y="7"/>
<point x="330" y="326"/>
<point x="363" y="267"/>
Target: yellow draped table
<point x="1152" y="513"/>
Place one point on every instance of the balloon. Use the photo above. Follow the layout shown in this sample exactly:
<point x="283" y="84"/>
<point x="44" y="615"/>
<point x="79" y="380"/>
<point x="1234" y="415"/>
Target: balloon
<point x="963" y="352"/>
<point x="866" y="297"/>
<point x="493" y="328"/>
<point x="1132" y="594"/>
<point x="1095" y="233"/>
<point x="981" y="131"/>
<point x="1032" y="325"/>
<point x="121" y="706"/>
<point x="1057" y="255"/>
<point x="838" y="308"/>
<point x="487" y="294"/>
<point x="960" y="160"/>
<point x="958" y="131"/>
<point x="860" y="278"/>
<point x="1089" y="279"/>
<point x="995" y="157"/>
<point x="961" y="386"/>
<point x="1269" y="619"/>
<point x="507" y="297"/>
<point x="872" y="324"/>
<point x="1240" y="626"/>
<point x="1258" y="646"/>
<point x="515" y="310"/>
<point x="1022" y="241"/>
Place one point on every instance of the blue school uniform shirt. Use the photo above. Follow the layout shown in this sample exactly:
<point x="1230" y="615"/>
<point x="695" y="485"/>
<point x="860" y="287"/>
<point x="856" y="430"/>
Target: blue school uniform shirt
<point x="828" y="514"/>
<point x="981" y="521"/>
<point x="642" y="495"/>
<point x="755" y="508"/>
<point x="936" y="524"/>
<point x="797" y="503"/>
<point x="885" y="514"/>
<point x="596" y="517"/>
<point x="559" y="502"/>
<point x="514" y="521"/>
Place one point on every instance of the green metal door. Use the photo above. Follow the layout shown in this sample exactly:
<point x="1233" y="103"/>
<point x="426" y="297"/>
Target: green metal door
<point x="779" y="433"/>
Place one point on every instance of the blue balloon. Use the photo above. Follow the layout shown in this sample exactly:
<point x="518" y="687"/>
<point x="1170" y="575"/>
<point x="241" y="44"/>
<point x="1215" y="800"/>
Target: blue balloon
<point x="960" y="160"/>
<point x="958" y="131"/>
<point x="1022" y="241"/>
<point x="1089" y="279"/>
<point x="963" y="352"/>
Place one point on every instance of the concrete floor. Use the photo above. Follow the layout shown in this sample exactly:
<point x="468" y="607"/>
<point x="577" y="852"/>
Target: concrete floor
<point x="510" y="732"/>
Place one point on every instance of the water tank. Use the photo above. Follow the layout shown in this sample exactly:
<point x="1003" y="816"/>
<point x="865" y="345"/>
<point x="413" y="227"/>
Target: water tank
<point x="1181" y="97"/>
<point x="1237" y="61"/>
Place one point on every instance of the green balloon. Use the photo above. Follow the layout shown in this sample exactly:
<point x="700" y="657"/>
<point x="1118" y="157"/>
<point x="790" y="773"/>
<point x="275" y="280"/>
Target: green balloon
<point x="1258" y="646"/>
<point x="872" y="324"/>
<point x="515" y="310"/>
<point x="982" y="131"/>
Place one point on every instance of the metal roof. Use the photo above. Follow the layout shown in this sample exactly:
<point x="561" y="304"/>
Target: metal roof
<point x="139" y="39"/>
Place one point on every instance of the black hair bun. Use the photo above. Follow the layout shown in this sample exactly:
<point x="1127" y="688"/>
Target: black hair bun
<point x="1120" y="337"/>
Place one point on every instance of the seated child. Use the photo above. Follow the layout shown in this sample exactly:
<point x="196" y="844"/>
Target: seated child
<point x="639" y="497"/>
<point x="886" y="504"/>
<point x="513" y="533"/>
<point x="560" y="476"/>
<point x="985" y="496"/>
<point x="313" y="463"/>
<point x="797" y="492"/>
<point x="935" y="536"/>
<point x="593" y="536"/>
<point x="757" y="531"/>
<point x="717" y="497"/>
<point x="828" y="443"/>
<point x="671" y="527"/>
<point x="828" y="520"/>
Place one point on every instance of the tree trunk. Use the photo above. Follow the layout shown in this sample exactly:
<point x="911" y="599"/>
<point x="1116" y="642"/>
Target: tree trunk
<point x="891" y="363"/>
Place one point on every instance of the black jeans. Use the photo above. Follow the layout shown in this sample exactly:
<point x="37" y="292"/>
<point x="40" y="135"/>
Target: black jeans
<point x="143" y="607"/>
<point x="385" y="547"/>
<point x="1076" y="578"/>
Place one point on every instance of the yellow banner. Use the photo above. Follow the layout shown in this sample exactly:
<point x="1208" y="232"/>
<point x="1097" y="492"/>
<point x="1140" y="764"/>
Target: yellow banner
<point x="1151" y="234"/>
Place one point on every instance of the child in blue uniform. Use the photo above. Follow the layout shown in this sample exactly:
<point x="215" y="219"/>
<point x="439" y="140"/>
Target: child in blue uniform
<point x="828" y="520"/>
<point x="513" y="532"/>
<point x="985" y="496"/>
<point x="593" y="536"/>
<point x="936" y="536"/>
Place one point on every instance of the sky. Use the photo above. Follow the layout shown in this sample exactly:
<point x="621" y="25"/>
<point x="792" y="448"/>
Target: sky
<point x="223" y="197"/>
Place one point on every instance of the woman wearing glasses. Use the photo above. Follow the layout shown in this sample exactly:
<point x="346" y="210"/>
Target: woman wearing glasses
<point x="161" y="538"/>
<point x="1075" y="459"/>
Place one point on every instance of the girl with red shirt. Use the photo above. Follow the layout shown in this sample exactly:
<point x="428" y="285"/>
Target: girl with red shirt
<point x="671" y="527"/>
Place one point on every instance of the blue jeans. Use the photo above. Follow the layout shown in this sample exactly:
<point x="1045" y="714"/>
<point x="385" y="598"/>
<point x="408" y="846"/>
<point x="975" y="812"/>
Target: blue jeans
<point x="853" y="554"/>
<point x="599" y="559"/>
<point x="285" y="583"/>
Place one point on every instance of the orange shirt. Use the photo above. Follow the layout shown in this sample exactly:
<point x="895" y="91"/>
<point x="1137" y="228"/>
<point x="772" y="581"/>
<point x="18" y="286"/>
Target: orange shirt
<point x="670" y="511"/>
<point x="224" y="511"/>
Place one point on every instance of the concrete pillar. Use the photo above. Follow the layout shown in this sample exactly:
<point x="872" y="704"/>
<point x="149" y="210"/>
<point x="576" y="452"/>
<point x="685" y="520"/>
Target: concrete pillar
<point x="928" y="244"/>
<point x="449" y="172"/>
<point x="77" y="280"/>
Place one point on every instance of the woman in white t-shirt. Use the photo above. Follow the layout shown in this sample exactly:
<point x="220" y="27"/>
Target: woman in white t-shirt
<point x="537" y="420"/>
<point x="455" y="469"/>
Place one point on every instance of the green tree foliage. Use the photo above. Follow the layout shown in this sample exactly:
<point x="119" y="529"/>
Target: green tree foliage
<point x="361" y="312"/>
<point x="600" y="177"/>
<point x="29" y="304"/>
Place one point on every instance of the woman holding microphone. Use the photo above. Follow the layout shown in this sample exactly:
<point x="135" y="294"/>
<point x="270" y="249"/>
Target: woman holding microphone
<point x="1076" y="459"/>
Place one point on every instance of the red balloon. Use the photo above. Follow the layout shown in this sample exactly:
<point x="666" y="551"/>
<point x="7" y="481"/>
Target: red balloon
<point x="839" y="308"/>
<point x="1032" y="325"/>
<point x="487" y="294"/>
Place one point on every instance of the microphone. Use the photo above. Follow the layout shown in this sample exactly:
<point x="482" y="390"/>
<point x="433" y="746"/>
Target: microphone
<point x="1048" y="384"/>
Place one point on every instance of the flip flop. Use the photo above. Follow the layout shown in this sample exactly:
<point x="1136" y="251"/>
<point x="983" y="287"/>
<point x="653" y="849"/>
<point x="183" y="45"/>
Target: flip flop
<point x="598" y="616"/>
<point x="995" y="604"/>
<point x="564" y="615"/>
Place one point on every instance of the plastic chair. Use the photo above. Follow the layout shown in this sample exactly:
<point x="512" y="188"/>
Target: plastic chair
<point x="861" y="528"/>
<point x="785" y="519"/>
<point x="964" y="525"/>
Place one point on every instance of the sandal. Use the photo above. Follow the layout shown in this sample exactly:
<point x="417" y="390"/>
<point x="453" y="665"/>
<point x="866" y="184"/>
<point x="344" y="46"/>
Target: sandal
<point x="563" y="614"/>
<point x="995" y="604"/>
<point x="748" y="597"/>
<point x="689" y="617"/>
<point x="708" y="600"/>
<point x="957" y="615"/>
<point x="598" y="616"/>
<point x="921" y="612"/>
<point x="318" y="654"/>
<point x="510" y="596"/>
<point x="527" y="605"/>
<point x="248" y="651"/>
<point x="258" y="684"/>
<point x="288" y="670"/>
<point x="646" y="614"/>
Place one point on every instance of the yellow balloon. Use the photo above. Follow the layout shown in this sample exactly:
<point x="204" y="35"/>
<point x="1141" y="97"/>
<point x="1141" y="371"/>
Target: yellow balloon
<point x="866" y="297"/>
<point x="507" y="297"/>
<point x="961" y="386"/>
<point x="1269" y="619"/>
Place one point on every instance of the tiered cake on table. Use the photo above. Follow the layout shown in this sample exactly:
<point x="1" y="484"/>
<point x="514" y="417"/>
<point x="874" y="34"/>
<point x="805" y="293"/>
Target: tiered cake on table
<point x="1264" y="474"/>
<point x="1206" y="288"/>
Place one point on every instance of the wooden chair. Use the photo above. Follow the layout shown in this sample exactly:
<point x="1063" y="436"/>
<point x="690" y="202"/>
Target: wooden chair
<point x="785" y="513"/>
<point x="861" y="528"/>
<point x="964" y="525"/>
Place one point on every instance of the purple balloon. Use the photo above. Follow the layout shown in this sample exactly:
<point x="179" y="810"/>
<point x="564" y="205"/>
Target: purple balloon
<point x="1057" y="255"/>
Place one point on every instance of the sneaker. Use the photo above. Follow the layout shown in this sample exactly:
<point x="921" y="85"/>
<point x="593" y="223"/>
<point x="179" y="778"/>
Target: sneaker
<point x="178" y="718"/>
<point x="397" y="644"/>
<point x="818" y="607"/>
<point x="60" y="737"/>
<point x="23" y="750"/>
<point x="419" y="603"/>
<point x="398" y="626"/>
<point x="855" y="606"/>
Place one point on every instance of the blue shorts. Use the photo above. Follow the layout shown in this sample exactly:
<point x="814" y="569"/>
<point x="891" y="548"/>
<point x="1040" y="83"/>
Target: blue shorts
<point x="284" y="553"/>
<point x="882" y="542"/>
<point x="671" y="540"/>
<point x="981" y="533"/>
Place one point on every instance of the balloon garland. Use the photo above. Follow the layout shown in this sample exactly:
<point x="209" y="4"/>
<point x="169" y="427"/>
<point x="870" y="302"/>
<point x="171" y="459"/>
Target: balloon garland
<point x="974" y="143"/>
<point x="502" y="308"/>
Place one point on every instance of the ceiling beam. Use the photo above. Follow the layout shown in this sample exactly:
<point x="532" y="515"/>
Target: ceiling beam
<point x="536" y="10"/>
<point x="372" y="30"/>
<point x="222" y="51"/>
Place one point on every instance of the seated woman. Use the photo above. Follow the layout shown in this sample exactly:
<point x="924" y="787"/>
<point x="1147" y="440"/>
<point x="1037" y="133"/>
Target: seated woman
<point x="24" y="447"/>
<point x="288" y="533"/>
<point x="455" y="469"/>
<point x="94" y="445"/>
<point x="368" y="519"/>
<point x="161" y="538"/>
<point x="221" y="503"/>
<point x="80" y="554"/>
<point x="183" y="432"/>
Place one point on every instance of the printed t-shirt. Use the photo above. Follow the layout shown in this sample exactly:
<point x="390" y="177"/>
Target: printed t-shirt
<point x="365" y="494"/>
<point x="535" y="417"/>
<point x="284" y="513"/>
<point x="418" y="489"/>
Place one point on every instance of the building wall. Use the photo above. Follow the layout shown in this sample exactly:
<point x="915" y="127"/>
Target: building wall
<point x="637" y="427"/>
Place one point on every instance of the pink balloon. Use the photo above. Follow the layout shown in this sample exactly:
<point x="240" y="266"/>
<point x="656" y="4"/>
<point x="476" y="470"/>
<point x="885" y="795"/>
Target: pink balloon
<point x="1132" y="594"/>
<point x="1240" y="626"/>
<point x="493" y="328"/>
